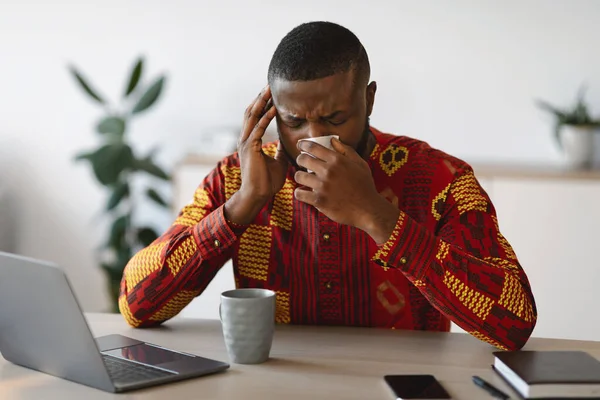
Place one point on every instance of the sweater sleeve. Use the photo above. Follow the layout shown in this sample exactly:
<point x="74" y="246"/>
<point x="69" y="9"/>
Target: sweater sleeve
<point x="161" y="279"/>
<point x="465" y="268"/>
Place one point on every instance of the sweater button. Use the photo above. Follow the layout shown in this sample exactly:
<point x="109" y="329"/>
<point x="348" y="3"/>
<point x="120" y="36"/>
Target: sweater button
<point x="403" y="260"/>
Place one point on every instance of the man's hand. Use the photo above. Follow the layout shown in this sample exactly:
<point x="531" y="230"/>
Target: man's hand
<point x="262" y="176"/>
<point x="342" y="187"/>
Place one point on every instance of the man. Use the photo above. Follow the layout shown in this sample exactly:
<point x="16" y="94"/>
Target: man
<point x="385" y="231"/>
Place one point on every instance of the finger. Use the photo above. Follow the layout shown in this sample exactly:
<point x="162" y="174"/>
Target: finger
<point x="254" y="112"/>
<point x="315" y="149"/>
<point x="259" y="107"/>
<point x="313" y="164"/>
<point x="248" y="110"/>
<point x="306" y="196"/>
<point x="269" y="104"/>
<point x="344" y="150"/>
<point x="246" y="128"/>
<point x="281" y="155"/>
<point x="306" y="179"/>
<point x="259" y="129"/>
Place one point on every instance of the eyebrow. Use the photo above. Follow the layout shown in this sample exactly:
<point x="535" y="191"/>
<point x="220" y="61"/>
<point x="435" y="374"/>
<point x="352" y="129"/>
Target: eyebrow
<point x="330" y="116"/>
<point x="333" y="114"/>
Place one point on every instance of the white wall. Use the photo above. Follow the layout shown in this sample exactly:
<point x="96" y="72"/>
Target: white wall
<point x="459" y="74"/>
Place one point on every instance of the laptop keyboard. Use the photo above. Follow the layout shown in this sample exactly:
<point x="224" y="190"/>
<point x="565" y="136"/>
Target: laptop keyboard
<point x="125" y="372"/>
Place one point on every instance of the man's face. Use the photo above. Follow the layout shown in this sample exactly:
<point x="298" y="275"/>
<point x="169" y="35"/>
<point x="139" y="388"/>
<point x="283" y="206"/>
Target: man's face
<point x="334" y="105"/>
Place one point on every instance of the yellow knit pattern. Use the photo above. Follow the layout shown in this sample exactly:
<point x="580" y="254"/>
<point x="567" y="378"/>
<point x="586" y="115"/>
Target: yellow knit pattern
<point x="182" y="254"/>
<point x="514" y="299"/>
<point x="510" y="253"/>
<point x="282" y="312"/>
<point x="398" y="155"/>
<point x="254" y="252"/>
<point x="270" y="149"/>
<point x="283" y="207"/>
<point x="419" y="283"/>
<point x="486" y="339"/>
<point x="373" y="155"/>
<point x="387" y="246"/>
<point x="508" y="250"/>
<point x="126" y="312"/>
<point x="501" y="263"/>
<point x="443" y="249"/>
<point x="175" y="305"/>
<point x="193" y="213"/>
<point x="440" y="198"/>
<point x="477" y="302"/>
<point x="467" y="194"/>
<point x="143" y="264"/>
<point x="233" y="180"/>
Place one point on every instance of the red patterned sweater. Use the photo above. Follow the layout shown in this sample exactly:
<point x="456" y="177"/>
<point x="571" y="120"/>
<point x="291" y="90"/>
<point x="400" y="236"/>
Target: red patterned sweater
<point x="446" y="259"/>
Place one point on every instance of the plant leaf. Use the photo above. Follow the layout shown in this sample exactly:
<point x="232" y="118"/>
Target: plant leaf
<point x="147" y="165"/>
<point x="150" y="97"/>
<point x="550" y="108"/>
<point x="157" y="198"/>
<point x="110" y="160"/>
<point x="113" y="271"/>
<point x="577" y="115"/>
<point x="115" y="275"/>
<point x="117" y="233"/>
<point x="134" y="78"/>
<point x="557" y="127"/>
<point x="581" y="93"/>
<point x="146" y="236"/>
<point x="85" y="86"/>
<point x="83" y="156"/>
<point x="114" y="125"/>
<point x="123" y="256"/>
<point x="119" y="193"/>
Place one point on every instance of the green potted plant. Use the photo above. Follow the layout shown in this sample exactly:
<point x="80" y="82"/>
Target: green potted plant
<point x="574" y="130"/>
<point x="117" y="167"/>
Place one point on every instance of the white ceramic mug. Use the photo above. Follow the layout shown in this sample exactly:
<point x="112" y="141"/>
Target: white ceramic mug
<point x="248" y="320"/>
<point x="324" y="141"/>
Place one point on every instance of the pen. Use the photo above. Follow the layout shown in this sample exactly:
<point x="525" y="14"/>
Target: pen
<point x="496" y="393"/>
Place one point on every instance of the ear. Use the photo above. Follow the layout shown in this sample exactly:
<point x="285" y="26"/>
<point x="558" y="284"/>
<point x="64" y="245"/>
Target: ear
<point x="371" y="89"/>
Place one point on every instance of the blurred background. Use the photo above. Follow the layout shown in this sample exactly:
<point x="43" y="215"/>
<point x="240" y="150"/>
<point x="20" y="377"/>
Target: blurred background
<point x="463" y="75"/>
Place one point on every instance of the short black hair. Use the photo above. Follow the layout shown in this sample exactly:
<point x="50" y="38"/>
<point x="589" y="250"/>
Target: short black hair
<point x="315" y="50"/>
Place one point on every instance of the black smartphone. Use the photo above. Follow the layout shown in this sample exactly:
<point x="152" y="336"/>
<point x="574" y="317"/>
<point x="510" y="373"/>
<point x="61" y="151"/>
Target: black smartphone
<point x="407" y="387"/>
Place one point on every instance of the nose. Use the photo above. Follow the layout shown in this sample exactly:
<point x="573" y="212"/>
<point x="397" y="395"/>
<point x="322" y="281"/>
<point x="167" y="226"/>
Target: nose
<point x="316" y="130"/>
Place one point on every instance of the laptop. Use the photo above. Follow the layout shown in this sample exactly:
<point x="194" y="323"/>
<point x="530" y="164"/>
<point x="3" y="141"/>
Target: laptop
<point x="43" y="328"/>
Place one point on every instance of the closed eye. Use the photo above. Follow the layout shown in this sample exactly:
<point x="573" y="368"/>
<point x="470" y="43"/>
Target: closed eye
<point x="336" y="119"/>
<point x="294" y="124"/>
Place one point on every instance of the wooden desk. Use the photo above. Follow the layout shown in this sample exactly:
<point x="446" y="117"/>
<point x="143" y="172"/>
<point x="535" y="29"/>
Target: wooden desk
<point x="307" y="362"/>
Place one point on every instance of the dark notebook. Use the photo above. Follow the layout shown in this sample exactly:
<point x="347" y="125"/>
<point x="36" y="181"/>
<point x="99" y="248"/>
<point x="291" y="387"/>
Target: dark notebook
<point x="550" y="374"/>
